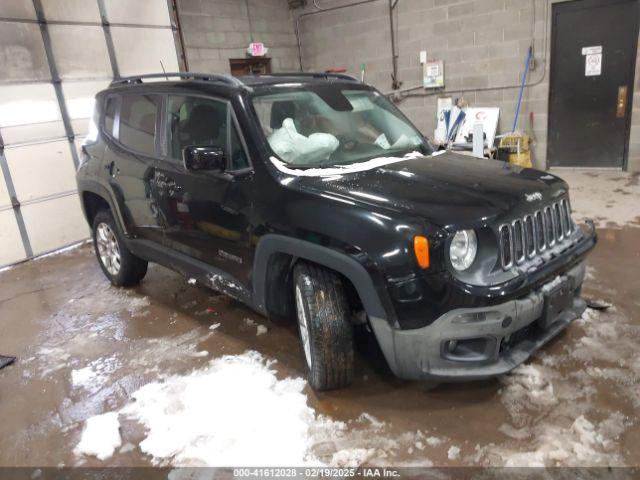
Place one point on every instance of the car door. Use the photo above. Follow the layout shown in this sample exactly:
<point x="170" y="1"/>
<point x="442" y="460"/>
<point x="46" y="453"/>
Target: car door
<point x="130" y="126"/>
<point x="205" y="214"/>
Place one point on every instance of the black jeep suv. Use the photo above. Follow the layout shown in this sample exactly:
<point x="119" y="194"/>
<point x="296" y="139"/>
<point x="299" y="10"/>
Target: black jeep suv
<point x="311" y="195"/>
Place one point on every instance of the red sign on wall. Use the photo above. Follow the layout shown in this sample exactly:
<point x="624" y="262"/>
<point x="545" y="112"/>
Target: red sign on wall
<point x="256" y="49"/>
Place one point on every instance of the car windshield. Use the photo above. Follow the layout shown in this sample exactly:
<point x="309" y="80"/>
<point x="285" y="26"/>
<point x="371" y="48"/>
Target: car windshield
<point x="327" y="125"/>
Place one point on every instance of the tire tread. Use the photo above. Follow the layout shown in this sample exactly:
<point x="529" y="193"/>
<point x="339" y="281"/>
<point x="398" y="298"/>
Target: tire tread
<point x="330" y="331"/>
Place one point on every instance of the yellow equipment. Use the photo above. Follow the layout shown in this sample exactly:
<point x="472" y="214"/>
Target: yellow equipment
<point x="516" y="146"/>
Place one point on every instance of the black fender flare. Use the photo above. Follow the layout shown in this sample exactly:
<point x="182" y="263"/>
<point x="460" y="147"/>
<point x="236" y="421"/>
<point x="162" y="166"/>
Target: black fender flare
<point x="98" y="189"/>
<point x="356" y="273"/>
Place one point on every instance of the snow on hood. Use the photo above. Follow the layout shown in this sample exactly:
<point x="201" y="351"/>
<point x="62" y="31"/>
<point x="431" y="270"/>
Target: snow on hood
<point x="342" y="169"/>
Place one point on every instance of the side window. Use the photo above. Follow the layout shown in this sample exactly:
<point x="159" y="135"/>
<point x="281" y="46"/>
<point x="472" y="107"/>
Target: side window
<point x="137" y="124"/>
<point x="194" y="121"/>
<point x="110" y="114"/>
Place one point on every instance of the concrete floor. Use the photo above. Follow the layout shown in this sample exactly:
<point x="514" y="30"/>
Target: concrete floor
<point x="574" y="403"/>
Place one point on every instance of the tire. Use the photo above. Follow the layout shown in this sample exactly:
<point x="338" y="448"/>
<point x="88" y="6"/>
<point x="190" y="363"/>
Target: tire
<point x="321" y="308"/>
<point x="128" y="270"/>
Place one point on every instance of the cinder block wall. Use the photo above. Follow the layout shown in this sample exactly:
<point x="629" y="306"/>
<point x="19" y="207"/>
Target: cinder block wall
<point x="216" y="30"/>
<point x="482" y="42"/>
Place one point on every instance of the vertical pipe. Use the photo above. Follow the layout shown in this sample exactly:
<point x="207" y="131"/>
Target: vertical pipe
<point x="395" y="84"/>
<point x="524" y="80"/>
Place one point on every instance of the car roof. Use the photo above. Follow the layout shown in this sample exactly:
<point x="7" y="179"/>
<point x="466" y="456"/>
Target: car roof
<point x="245" y="82"/>
<point x="296" y="77"/>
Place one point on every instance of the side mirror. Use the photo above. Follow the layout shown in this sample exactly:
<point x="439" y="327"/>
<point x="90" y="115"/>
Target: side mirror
<point x="204" y="158"/>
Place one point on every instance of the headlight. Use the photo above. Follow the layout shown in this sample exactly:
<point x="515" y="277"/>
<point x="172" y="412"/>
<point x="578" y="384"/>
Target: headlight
<point x="463" y="249"/>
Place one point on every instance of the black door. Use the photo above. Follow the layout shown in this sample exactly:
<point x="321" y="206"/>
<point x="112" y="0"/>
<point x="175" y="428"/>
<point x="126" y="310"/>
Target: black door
<point x="130" y="159"/>
<point x="205" y="214"/>
<point x="593" y="54"/>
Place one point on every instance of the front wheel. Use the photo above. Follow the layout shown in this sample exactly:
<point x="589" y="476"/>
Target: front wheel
<point x="323" y="322"/>
<point x="120" y="266"/>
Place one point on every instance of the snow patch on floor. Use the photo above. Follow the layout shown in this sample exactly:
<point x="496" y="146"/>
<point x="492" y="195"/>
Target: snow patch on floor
<point x="95" y="375"/>
<point x="581" y="443"/>
<point x="236" y="411"/>
<point x="453" y="453"/>
<point x="233" y="412"/>
<point x="100" y="436"/>
<point x="351" y="458"/>
<point x="261" y="330"/>
<point x="553" y="420"/>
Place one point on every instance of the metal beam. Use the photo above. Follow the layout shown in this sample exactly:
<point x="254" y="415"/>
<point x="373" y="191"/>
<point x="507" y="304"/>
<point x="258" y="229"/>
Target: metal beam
<point x="178" y="37"/>
<point x="55" y="79"/>
<point x="22" y="228"/>
<point x="111" y="50"/>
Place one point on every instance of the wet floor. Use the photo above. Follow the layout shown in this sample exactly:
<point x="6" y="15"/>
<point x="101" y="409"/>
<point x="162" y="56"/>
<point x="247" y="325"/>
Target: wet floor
<point x="84" y="348"/>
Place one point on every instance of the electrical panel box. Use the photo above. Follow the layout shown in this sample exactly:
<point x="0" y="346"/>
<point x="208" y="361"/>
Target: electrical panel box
<point x="433" y="74"/>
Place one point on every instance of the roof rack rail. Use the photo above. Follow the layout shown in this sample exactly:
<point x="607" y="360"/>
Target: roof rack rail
<point x="207" y="77"/>
<point x="325" y="75"/>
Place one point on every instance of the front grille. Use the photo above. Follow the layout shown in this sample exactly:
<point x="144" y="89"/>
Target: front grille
<point x="534" y="233"/>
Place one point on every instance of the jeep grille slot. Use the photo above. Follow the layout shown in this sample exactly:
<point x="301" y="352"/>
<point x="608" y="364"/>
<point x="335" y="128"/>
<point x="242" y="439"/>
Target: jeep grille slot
<point x="541" y="244"/>
<point x="518" y="241"/>
<point x="549" y="229"/>
<point x="505" y="246"/>
<point x="566" y="212"/>
<point x="530" y="235"/>
<point x="534" y="233"/>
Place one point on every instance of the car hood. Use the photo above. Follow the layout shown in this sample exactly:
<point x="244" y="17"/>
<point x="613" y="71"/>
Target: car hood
<point x="447" y="189"/>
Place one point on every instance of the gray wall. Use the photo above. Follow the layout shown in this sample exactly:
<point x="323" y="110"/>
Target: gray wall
<point x="216" y="30"/>
<point x="482" y="42"/>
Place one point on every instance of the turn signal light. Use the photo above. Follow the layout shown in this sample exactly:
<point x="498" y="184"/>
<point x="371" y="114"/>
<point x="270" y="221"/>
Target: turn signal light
<point x="421" y="249"/>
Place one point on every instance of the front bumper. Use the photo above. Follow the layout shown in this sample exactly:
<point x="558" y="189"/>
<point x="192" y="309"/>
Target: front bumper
<point x="489" y="341"/>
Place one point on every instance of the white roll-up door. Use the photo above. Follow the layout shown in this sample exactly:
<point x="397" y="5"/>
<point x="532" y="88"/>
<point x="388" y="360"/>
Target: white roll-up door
<point x="55" y="55"/>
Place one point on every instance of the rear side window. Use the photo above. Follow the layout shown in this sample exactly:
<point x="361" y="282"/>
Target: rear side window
<point x="137" y="124"/>
<point x="110" y="114"/>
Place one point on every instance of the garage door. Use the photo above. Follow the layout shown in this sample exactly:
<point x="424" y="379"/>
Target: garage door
<point x="54" y="56"/>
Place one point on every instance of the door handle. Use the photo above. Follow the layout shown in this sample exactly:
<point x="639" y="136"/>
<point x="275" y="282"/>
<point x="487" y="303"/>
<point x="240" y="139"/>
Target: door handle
<point x="621" y="106"/>
<point x="110" y="167"/>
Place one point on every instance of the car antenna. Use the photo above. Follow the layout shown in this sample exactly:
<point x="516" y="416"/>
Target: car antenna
<point x="163" y="70"/>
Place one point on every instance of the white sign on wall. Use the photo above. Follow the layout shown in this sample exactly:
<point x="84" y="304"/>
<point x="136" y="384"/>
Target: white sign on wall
<point x="592" y="60"/>
<point x="592" y="50"/>
<point x="593" y="64"/>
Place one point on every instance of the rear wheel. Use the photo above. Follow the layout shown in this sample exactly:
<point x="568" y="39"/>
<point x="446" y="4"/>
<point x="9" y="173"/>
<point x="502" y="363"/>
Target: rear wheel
<point x="323" y="322"/>
<point x="121" y="267"/>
